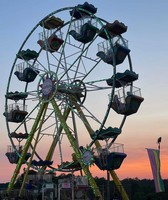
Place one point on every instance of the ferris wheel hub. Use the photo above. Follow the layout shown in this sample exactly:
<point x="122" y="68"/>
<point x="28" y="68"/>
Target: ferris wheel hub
<point x="47" y="86"/>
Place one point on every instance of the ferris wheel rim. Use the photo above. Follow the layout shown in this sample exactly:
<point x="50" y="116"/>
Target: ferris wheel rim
<point x="55" y="12"/>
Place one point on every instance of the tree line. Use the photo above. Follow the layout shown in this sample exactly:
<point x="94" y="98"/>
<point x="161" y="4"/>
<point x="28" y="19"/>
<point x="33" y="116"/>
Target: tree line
<point x="136" y="189"/>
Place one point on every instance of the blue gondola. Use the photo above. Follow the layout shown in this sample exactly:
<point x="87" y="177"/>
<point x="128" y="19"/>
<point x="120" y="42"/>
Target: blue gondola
<point x="16" y="116"/>
<point x="19" y="135"/>
<point x="87" y="33"/>
<point x="42" y="163"/>
<point x="14" y="158"/>
<point x="27" y="54"/>
<point x="120" y="53"/>
<point x="122" y="79"/>
<point x="131" y="105"/>
<point x="74" y="165"/>
<point x="16" y="95"/>
<point x="109" y="161"/>
<point x="76" y="13"/>
<point x="106" y="133"/>
<point x="28" y="75"/>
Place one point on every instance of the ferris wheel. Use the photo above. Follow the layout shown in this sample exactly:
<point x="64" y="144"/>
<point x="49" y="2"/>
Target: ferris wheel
<point x="69" y="93"/>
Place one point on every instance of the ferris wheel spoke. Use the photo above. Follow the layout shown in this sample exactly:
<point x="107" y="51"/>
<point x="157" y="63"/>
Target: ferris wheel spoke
<point x="84" y="55"/>
<point x="56" y="138"/>
<point x="63" y="123"/>
<point x="75" y="148"/>
<point x="27" y="118"/>
<point x="91" y="70"/>
<point x="25" y="149"/>
<point x="78" y="63"/>
<point x="44" y="69"/>
<point x="98" y="146"/>
<point x="64" y="63"/>
<point x="86" y="123"/>
<point x="63" y="47"/>
<point x="76" y="60"/>
<point x="34" y="149"/>
<point x="46" y="46"/>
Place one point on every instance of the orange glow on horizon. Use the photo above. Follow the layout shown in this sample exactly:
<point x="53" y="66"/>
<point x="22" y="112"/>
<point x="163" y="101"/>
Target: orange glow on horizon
<point x="131" y="168"/>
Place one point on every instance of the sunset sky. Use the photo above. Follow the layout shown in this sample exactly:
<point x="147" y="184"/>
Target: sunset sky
<point x="147" y="35"/>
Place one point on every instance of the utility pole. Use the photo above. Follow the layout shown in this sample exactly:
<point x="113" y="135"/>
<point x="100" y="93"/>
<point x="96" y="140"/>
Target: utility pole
<point x="108" y="185"/>
<point x="159" y="141"/>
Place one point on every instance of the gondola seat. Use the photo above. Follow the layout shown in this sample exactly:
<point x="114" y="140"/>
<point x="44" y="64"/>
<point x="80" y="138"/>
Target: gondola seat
<point x="42" y="163"/>
<point x="53" y="43"/>
<point x="106" y="133"/>
<point x="29" y="74"/>
<point x="74" y="165"/>
<point x="78" y="14"/>
<point x="16" y="95"/>
<point x="131" y="105"/>
<point x="19" y="135"/>
<point x="27" y="54"/>
<point x="52" y="23"/>
<point x="120" y="53"/>
<point x="122" y="79"/>
<point x="16" y="116"/>
<point x="115" y="28"/>
<point x="86" y="34"/>
<point x="110" y="161"/>
<point x="14" y="158"/>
